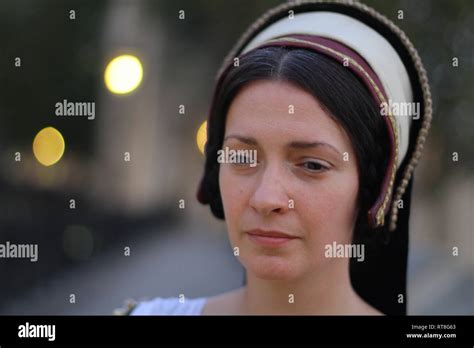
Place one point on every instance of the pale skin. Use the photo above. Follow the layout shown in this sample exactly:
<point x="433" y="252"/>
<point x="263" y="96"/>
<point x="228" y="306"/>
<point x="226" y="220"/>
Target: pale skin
<point x="322" y="182"/>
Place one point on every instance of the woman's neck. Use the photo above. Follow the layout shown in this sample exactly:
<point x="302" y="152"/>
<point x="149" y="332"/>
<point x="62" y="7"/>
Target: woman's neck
<point x="326" y="291"/>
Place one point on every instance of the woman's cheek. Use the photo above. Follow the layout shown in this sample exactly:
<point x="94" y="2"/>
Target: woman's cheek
<point x="328" y="211"/>
<point x="233" y="198"/>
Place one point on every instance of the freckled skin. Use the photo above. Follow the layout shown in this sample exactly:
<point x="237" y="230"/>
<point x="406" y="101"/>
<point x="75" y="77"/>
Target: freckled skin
<point x="324" y="203"/>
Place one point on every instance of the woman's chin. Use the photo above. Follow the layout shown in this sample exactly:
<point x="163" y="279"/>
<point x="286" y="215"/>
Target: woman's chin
<point x="272" y="268"/>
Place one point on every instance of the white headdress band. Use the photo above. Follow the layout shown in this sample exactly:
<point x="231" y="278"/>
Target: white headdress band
<point x="372" y="46"/>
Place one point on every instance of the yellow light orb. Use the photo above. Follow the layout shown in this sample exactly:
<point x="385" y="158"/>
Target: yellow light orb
<point x="48" y="146"/>
<point x="201" y="137"/>
<point x="123" y="74"/>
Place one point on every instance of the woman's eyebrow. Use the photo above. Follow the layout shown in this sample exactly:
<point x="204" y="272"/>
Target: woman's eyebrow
<point x="293" y="144"/>
<point x="246" y="140"/>
<point x="309" y="145"/>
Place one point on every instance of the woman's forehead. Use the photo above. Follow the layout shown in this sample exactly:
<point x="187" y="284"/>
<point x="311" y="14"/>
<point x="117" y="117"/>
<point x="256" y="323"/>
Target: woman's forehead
<point x="279" y="111"/>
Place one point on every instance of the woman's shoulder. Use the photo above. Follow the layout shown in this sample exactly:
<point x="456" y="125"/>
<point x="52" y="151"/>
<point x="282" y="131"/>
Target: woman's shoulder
<point x="165" y="306"/>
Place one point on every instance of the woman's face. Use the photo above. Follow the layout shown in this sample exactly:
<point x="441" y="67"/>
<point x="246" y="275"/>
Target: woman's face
<point x="305" y="183"/>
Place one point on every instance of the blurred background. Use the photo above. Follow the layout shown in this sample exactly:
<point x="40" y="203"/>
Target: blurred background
<point x="115" y="215"/>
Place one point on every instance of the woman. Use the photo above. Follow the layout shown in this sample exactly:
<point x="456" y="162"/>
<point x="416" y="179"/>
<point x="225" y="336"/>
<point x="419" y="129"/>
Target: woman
<point x="318" y="216"/>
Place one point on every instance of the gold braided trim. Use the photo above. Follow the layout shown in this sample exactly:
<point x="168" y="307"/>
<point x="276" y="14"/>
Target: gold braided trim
<point x="427" y="115"/>
<point x="261" y="22"/>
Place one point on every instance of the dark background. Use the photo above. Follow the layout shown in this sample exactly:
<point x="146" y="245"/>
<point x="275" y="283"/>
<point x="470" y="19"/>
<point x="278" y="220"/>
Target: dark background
<point x="118" y="204"/>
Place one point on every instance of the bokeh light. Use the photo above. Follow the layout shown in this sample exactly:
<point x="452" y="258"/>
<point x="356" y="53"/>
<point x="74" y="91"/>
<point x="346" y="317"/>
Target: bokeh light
<point x="48" y="146"/>
<point x="123" y="74"/>
<point x="201" y="137"/>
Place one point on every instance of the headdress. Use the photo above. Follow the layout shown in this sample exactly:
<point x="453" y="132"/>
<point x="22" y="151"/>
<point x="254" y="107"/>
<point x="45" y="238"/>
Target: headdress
<point x="379" y="53"/>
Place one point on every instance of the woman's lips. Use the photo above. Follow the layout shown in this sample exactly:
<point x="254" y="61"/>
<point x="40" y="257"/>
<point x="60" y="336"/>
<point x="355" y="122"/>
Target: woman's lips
<point x="270" y="238"/>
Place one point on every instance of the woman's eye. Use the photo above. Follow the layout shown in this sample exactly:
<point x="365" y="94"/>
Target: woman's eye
<point x="314" y="166"/>
<point x="245" y="161"/>
<point x="242" y="160"/>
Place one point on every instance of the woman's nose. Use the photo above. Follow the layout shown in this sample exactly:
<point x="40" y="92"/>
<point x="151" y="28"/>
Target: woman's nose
<point x="270" y="194"/>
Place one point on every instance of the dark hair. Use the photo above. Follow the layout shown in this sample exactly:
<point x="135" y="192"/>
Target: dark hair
<point x="340" y="93"/>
